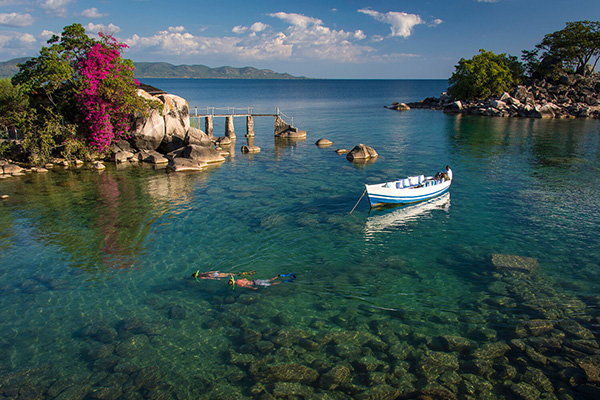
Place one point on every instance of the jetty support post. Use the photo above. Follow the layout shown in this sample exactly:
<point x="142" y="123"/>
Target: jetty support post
<point x="249" y="126"/>
<point x="229" y="130"/>
<point x="208" y="126"/>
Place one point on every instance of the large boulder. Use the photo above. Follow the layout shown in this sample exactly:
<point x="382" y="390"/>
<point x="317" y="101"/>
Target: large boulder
<point x="250" y="149"/>
<point x="522" y="94"/>
<point x="10" y="169"/>
<point x="148" y="131"/>
<point x="399" y="106"/>
<point x="454" y="107"/>
<point x="177" y="121"/>
<point x="201" y="153"/>
<point x="324" y="142"/>
<point x="548" y="110"/>
<point x="198" y="137"/>
<point x="292" y="133"/>
<point x="152" y="156"/>
<point x="361" y="152"/>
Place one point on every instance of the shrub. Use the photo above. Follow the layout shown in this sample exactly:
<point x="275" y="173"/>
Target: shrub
<point x="485" y="75"/>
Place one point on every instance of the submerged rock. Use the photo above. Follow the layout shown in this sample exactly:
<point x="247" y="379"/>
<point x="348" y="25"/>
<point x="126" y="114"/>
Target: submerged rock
<point x="340" y="375"/>
<point x="291" y="372"/>
<point x="380" y="392"/>
<point x="509" y="261"/>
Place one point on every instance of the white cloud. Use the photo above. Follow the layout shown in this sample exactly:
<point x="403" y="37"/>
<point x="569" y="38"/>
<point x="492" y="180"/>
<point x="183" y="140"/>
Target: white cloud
<point x="16" y="44"/>
<point x="296" y="19"/>
<point x="239" y="29"/>
<point x="311" y="39"/>
<point x="56" y="7"/>
<point x="176" y="28"/>
<point x="304" y="38"/>
<point x="436" y="22"/>
<point x="258" y="27"/>
<point x="93" y="29"/>
<point x="46" y="34"/>
<point x="16" y="19"/>
<point x="93" y="13"/>
<point x="401" y="23"/>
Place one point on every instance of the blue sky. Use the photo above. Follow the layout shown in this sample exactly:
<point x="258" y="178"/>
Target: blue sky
<point x="353" y="39"/>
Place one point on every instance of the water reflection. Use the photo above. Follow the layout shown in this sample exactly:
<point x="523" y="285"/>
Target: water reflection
<point x="390" y="219"/>
<point x="100" y="219"/>
<point x="283" y="144"/>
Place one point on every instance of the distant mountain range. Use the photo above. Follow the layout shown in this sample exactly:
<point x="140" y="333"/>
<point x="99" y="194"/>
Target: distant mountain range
<point x="166" y="70"/>
<point x="9" y="68"/>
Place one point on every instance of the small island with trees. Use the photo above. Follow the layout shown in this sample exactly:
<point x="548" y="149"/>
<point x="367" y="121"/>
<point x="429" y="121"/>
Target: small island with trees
<point x="555" y="80"/>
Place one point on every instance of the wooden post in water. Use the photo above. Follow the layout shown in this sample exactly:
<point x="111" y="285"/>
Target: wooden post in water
<point x="249" y="126"/>
<point x="208" y="125"/>
<point x="229" y="130"/>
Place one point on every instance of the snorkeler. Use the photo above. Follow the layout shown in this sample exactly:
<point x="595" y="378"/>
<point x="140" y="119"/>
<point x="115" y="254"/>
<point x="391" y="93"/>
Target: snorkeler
<point x="256" y="283"/>
<point x="218" y="275"/>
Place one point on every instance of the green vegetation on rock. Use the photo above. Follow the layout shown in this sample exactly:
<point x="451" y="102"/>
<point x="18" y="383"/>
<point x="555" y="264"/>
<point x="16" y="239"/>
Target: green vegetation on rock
<point x="485" y="75"/>
<point x="564" y="52"/>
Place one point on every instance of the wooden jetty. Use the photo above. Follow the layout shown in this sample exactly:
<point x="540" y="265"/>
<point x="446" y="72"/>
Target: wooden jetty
<point x="282" y="129"/>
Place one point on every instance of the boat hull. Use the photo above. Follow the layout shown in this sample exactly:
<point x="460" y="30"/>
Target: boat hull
<point x="383" y="194"/>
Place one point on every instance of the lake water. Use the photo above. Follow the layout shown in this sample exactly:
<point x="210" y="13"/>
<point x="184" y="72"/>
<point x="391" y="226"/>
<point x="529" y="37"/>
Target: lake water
<point x="97" y="299"/>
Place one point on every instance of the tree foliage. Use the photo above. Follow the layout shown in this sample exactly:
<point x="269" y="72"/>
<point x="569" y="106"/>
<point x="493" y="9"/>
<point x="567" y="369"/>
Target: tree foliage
<point x="485" y="75"/>
<point x="14" y="105"/>
<point x="568" y="50"/>
<point x="81" y="89"/>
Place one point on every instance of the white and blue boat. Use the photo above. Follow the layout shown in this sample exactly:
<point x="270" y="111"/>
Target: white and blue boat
<point x="409" y="190"/>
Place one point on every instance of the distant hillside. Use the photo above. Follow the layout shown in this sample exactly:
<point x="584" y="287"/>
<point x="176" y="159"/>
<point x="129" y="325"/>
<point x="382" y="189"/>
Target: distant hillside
<point x="166" y="70"/>
<point x="9" y="68"/>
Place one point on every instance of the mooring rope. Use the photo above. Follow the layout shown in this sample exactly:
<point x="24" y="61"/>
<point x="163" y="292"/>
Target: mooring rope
<point x="358" y="202"/>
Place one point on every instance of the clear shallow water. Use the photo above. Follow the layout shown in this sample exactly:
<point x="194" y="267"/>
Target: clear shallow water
<point x="97" y="298"/>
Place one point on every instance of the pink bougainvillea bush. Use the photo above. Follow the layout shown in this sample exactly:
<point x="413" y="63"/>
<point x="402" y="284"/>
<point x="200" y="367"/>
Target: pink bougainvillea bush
<point x="107" y="98"/>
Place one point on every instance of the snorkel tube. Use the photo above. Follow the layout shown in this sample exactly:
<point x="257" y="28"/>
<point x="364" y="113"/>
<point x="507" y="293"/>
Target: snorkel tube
<point x="195" y="275"/>
<point x="232" y="282"/>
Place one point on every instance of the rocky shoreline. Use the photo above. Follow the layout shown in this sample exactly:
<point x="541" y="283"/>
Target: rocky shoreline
<point x="166" y="139"/>
<point x="572" y="96"/>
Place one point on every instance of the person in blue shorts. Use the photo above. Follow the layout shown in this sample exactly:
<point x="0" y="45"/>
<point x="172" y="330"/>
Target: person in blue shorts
<point x="256" y="283"/>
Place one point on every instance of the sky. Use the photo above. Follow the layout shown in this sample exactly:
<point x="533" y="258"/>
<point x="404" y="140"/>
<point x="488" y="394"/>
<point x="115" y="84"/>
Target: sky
<point x="333" y="39"/>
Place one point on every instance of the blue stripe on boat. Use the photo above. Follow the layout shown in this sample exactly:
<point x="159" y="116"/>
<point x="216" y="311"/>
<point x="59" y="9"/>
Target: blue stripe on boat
<point x="376" y="199"/>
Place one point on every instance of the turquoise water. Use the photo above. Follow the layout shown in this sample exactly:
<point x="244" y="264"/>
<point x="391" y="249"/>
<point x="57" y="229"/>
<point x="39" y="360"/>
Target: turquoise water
<point x="97" y="298"/>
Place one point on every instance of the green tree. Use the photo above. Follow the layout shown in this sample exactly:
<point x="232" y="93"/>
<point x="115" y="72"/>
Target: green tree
<point x="568" y="50"/>
<point x="485" y="75"/>
<point x="14" y="105"/>
<point x="50" y="78"/>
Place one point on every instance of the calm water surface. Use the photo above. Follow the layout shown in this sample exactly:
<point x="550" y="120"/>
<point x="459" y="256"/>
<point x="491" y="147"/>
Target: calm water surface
<point x="97" y="298"/>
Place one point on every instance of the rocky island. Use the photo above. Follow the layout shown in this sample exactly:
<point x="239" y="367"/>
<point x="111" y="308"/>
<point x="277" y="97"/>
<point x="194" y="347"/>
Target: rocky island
<point x="572" y="96"/>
